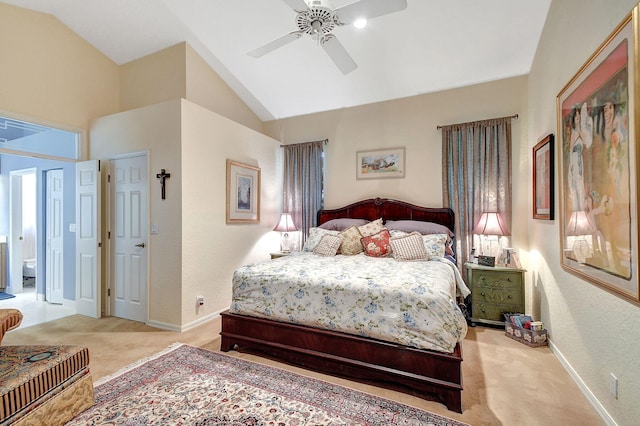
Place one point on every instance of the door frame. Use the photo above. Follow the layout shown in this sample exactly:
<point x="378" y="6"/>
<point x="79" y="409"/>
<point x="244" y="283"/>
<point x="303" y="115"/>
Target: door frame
<point x="16" y="202"/>
<point x="109" y="223"/>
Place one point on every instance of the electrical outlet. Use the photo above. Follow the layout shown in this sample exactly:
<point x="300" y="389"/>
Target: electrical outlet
<point x="200" y="300"/>
<point x="613" y="385"/>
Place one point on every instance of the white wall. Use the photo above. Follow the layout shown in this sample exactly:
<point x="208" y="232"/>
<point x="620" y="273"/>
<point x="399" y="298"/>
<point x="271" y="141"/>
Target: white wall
<point x="592" y="329"/>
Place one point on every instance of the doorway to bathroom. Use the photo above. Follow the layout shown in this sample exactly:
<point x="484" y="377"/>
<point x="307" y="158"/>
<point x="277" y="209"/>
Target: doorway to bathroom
<point x="23" y="231"/>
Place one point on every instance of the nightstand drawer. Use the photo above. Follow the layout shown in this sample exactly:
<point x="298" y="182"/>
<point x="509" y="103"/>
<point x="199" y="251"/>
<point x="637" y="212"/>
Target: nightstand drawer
<point x="508" y="290"/>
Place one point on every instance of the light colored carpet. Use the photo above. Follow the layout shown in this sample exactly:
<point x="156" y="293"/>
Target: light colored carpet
<point x="505" y="382"/>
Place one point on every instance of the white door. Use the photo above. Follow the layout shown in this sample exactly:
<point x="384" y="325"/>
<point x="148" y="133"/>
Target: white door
<point x="88" y="238"/>
<point x="129" y="209"/>
<point x="54" y="276"/>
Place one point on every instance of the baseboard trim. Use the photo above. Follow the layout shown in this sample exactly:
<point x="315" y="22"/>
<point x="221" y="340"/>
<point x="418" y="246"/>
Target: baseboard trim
<point x="185" y="327"/>
<point x="604" y="414"/>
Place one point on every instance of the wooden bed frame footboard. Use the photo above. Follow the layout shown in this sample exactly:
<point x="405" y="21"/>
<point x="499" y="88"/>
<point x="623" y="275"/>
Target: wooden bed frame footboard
<point x="423" y="373"/>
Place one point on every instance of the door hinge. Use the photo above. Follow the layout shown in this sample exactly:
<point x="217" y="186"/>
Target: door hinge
<point x="108" y="292"/>
<point x="108" y="178"/>
<point x="100" y="244"/>
<point x="108" y="235"/>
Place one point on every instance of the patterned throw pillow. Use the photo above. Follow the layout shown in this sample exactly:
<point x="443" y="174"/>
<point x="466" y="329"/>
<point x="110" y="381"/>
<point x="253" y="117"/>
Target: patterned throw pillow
<point x="328" y="245"/>
<point x="410" y="247"/>
<point x="435" y="244"/>
<point x="314" y="237"/>
<point x="377" y="245"/>
<point x="351" y="241"/>
<point x="371" y="228"/>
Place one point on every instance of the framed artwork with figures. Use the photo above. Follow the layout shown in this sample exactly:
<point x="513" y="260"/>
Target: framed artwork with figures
<point x="597" y="165"/>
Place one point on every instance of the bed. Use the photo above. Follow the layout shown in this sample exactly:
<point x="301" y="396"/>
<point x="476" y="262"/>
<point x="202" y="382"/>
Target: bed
<point x="356" y="344"/>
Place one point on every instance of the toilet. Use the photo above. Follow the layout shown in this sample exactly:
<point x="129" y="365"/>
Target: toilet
<point x="29" y="272"/>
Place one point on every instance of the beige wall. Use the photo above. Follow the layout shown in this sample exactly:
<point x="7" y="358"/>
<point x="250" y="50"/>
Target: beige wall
<point x="179" y="72"/>
<point x="592" y="330"/>
<point x="155" y="78"/>
<point x="207" y="89"/>
<point x="195" y="252"/>
<point x="156" y="130"/>
<point x="212" y="250"/>
<point x="411" y="123"/>
<point x="51" y="76"/>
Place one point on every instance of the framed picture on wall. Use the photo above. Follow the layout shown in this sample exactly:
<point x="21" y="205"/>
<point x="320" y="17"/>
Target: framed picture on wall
<point x="597" y="165"/>
<point x="380" y="163"/>
<point x="243" y="193"/>
<point x="543" y="184"/>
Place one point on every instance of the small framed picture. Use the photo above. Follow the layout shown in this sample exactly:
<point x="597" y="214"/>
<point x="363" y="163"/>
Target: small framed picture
<point x="543" y="182"/>
<point x="381" y="163"/>
<point x="243" y="193"/>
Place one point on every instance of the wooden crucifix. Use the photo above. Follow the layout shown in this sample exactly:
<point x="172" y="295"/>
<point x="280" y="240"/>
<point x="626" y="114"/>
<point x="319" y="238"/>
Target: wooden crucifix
<point x="163" y="176"/>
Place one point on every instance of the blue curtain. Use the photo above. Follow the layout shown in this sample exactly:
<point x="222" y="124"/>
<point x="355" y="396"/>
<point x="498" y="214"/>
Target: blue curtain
<point x="476" y="175"/>
<point x="303" y="184"/>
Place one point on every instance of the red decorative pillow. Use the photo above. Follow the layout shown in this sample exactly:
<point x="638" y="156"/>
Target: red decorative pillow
<point x="377" y="245"/>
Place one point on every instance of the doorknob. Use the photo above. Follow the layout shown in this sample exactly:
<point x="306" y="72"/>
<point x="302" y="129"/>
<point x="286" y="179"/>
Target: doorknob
<point x="140" y="245"/>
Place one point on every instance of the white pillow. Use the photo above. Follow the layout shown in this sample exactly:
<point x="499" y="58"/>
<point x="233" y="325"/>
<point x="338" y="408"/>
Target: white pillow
<point x="328" y="245"/>
<point x="435" y="244"/>
<point x="315" y="235"/>
<point x="410" y="247"/>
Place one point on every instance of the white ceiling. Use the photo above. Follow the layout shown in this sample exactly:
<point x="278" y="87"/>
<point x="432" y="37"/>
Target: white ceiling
<point x="432" y="45"/>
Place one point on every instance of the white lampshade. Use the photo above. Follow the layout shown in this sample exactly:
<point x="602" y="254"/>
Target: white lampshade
<point x="286" y="224"/>
<point x="490" y="223"/>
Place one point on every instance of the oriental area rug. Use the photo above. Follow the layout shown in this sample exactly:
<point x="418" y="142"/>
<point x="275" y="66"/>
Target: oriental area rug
<point x="186" y="385"/>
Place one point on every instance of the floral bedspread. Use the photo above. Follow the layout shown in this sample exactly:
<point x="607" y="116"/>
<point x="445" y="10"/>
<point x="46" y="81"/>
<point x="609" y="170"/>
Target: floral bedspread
<point x="411" y="303"/>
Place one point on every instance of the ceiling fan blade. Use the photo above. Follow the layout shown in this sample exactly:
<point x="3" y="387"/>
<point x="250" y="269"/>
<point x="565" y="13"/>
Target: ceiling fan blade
<point x="275" y="44"/>
<point x="297" y="5"/>
<point x="368" y="9"/>
<point x="338" y="54"/>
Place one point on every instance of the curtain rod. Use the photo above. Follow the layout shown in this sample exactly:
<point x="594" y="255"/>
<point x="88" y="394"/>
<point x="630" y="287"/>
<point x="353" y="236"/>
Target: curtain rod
<point x="514" y="116"/>
<point x="326" y="141"/>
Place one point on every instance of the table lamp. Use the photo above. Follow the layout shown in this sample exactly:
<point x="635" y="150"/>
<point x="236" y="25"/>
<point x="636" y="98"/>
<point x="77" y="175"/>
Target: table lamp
<point x="285" y="225"/>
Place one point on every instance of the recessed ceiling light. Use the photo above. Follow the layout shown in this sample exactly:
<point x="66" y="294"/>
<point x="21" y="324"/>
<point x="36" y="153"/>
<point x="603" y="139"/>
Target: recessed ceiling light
<point x="360" y="23"/>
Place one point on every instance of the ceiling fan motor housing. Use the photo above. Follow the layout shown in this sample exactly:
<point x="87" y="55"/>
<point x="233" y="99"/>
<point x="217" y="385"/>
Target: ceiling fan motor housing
<point x="317" y="21"/>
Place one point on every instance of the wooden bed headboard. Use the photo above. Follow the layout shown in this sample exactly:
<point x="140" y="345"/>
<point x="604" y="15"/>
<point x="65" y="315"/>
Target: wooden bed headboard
<point x="388" y="209"/>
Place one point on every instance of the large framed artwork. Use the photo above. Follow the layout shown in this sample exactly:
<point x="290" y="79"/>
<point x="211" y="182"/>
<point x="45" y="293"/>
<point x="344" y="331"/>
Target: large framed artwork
<point x="543" y="182"/>
<point x="243" y="193"/>
<point x="597" y="120"/>
<point x="380" y="163"/>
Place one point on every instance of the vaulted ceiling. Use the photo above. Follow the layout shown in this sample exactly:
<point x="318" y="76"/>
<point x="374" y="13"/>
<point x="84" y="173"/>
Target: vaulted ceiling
<point x="431" y="45"/>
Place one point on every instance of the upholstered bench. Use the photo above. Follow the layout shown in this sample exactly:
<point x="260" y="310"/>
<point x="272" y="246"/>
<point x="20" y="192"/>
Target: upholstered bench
<point x="41" y="384"/>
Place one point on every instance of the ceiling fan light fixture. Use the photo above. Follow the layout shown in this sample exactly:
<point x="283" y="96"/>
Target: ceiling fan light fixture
<point x="360" y="23"/>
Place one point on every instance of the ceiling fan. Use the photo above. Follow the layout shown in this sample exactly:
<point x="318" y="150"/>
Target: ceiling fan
<point x="318" y="19"/>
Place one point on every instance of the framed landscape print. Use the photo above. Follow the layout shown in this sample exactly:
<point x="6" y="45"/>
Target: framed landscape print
<point x="243" y="193"/>
<point x="381" y="163"/>
<point x="597" y="121"/>
<point x="543" y="183"/>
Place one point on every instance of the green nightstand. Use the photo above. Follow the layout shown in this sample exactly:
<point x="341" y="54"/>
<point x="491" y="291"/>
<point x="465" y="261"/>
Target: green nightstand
<point x="494" y="291"/>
